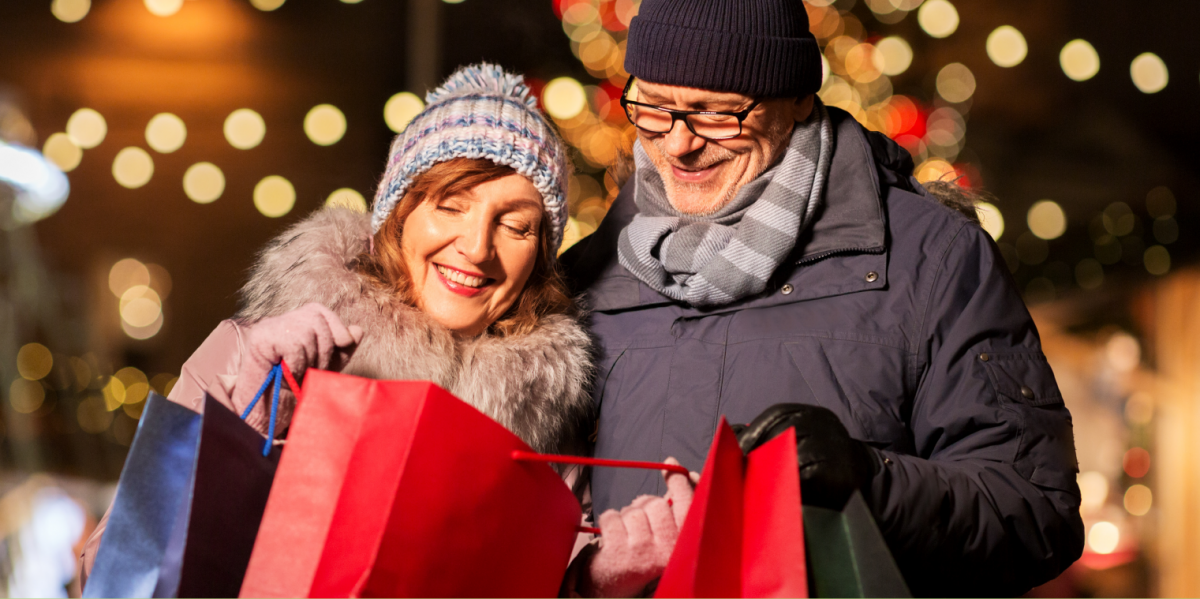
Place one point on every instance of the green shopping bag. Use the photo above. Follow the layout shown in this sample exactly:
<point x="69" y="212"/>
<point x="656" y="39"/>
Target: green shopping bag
<point x="847" y="556"/>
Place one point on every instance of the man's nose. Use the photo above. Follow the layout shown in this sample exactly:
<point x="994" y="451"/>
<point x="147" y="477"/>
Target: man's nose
<point x="474" y="242"/>
<point x="680" y="140"/>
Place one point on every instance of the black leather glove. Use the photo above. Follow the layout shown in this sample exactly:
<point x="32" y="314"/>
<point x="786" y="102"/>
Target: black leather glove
<point x="832" y="464"/>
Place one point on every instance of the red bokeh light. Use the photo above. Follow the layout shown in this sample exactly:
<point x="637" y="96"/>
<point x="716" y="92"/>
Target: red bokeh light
<point x="1136" y="462"/>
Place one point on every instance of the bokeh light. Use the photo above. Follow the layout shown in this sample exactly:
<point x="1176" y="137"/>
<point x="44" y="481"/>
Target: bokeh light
<point x="1149" y="73"/>
<point x="1093" y="490"/>
<point x="63" y="152"/>
<point x="1139" y="409"/>
<point x="1079" y="60"/>
<point x="160" y="280"/>
<point x="26" y="396"/>
<point x="935" y="169"/>
<point x="956" y="83"/>
<point x="267" y="5"/>
<point x="1136" y="462"/>
<point x="896" y="53"/>
<point x="1089" y="274"/>
<point x="1160" y="202"/>
<point x="127" y="273"/>
<point x="938" y="18"/>
<point x="93" y="415"/>
<point x="274" y="196"/>
<point x="1157" y="260"/>
<point x="864" y="63"/>
<point x="347" y="198"/>
<point x="137" y="386"/>
<point x="1047" y="220"/>
<point x="140" y="306"/>
<point x="564" y="97"/>
<point x="164" y="8"/>
<point x="34" y="361"/>
<point x="325" y="125"/>
<point x="203" y="182"/>
<point x="1103" y="537"/>
<point x="70" y="11"/>
<point x="401" y="109"/>
<point x="166" y="133"/>
<point x="142" y="333"/>
<point x="87" y="128"/>
<point x="1006" y="46"/>
<point x="133" y="167"/>
<point x="245" y="129"/>
<point x="1138" y="500"/>
<point x="990" y="219"/>
<point x="1123" y="352"/>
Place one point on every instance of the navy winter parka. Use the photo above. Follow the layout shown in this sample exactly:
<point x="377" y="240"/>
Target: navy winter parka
<point x="897" y="314"/>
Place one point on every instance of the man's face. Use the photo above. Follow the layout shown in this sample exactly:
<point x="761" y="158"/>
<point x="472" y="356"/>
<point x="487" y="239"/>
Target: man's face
<point x="700" y="175"/>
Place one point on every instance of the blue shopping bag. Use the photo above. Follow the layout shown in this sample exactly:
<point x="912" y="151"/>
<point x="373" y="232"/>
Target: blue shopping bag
<point x="187" y="507"/>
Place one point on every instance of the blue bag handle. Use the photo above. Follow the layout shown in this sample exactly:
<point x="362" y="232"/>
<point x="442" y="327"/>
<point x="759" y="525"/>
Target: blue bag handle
<point x="277" y="374"/>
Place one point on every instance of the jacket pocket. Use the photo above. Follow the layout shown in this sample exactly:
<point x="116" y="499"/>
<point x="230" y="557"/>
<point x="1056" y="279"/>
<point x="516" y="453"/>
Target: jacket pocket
<point x="1025" y="385"/>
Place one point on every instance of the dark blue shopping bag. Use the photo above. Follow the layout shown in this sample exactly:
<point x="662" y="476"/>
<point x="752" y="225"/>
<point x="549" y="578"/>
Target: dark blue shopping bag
<point x="187" y="507"/>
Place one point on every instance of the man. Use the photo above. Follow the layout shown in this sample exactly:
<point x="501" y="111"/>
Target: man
<point x="769" y="250"/>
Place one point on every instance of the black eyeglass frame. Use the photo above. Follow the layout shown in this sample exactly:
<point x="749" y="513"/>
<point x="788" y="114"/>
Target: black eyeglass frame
<point x="682" y="115"/>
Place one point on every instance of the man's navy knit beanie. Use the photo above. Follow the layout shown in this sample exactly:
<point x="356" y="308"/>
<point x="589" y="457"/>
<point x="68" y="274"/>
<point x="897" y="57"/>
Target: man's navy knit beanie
<point x="760" y="48"/>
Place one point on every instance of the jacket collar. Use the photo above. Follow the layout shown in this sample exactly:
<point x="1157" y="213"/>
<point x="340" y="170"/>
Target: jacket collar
<point x="850" y="220"/>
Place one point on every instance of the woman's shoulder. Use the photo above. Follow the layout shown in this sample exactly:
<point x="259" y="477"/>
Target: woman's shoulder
<point x="312" y="261"/>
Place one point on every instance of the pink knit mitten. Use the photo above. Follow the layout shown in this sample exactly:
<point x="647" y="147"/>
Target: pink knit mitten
<point x="309" y="337"/>
<point x="636" y="543"/>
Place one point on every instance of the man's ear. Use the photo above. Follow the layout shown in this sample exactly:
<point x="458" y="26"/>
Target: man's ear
<point x="803" y="107"/>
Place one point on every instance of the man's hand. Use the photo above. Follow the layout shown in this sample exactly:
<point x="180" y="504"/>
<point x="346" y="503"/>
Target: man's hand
<point x="832" y="464"/>
<point x="636" y="543"/>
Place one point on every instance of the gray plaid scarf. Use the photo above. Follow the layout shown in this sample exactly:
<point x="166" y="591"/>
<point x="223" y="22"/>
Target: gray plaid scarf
<point x="717" y="259"/>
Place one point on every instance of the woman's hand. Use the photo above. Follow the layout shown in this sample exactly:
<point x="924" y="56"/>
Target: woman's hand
<point x="636" y="543"/>
<point x="309" y="337"/>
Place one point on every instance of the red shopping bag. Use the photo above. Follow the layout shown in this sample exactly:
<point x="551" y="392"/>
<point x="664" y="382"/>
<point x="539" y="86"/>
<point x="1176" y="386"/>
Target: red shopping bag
<point x="744" y="535"/>
<point x="396" y="488"/>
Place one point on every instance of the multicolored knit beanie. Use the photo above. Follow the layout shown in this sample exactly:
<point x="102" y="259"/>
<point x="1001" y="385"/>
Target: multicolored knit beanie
<point x="480" y="112"/>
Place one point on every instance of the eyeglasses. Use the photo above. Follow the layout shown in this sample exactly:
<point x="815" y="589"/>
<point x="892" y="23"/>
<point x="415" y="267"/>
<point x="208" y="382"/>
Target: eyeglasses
<point x="711" y="125"/>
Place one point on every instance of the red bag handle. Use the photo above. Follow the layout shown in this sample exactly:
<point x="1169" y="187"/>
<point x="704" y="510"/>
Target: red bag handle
<point x="529" y="456"/>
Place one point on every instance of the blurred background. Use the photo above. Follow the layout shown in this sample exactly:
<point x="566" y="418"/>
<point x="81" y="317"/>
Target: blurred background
<point x="148" y="149"/>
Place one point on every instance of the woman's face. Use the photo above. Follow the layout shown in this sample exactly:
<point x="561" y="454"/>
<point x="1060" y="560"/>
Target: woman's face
<point x="470" y="254"/>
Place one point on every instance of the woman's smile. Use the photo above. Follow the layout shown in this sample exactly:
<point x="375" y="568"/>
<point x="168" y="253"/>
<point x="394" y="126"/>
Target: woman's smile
<point x="461" y="282"/>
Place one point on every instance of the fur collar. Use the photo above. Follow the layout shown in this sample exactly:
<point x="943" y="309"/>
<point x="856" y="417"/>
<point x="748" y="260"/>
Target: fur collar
<point x="534" y="384"/>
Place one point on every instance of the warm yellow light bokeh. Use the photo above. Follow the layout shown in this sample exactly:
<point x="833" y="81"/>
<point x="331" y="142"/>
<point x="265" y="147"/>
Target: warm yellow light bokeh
<point x="1047" y="220"/>
<point x="133" y="167"/>
<point x="1138" y="500"/>
<point x="164" y="8"/>
<point x="267" y="5"/>
<point x="274" y="196"/>
<point x="125" y="274"/>
<point x="1157" y="260"/>
<point x="1079" y="60"/>
<point x="864" y="63"/>
<point x="1149" y="73"/>
<point x="166" y="133"/>
<point x="87" y="128"/>
<point x="1103" y="537"/>
<point x="140" y="306"/>
<point x="351" y="1"/>
<point x="1006" y="46"/>
<point x="34" y="361"/>
<point x="1093" y="489"/>
<point x="956" y="83"/>
<point x="990" y="219"/>
<point x="203" y="183"/>
<point x="935" y="169"/>
<point x="70" y="11"/>
<point x="63" y="152"/>
<point x="325" y="125"/>
<point x="347" y="198"/>
<point x="401" y="109"/>
<point x="245" y="129"/>
<point x="897" y="55"/>
<point x="26" y="396"/>
<point x="142" y="333"/>
<point x="938" y="18"/>
<point x="564" y="98"/>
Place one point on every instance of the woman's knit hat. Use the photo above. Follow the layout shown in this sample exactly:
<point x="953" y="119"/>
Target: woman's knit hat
<point x="481" y="111"/>
<point x="761" y="48"/>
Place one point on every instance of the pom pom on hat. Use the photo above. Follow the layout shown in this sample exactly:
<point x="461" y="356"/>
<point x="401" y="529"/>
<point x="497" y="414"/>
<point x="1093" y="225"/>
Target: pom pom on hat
<point x="481" y="111"/>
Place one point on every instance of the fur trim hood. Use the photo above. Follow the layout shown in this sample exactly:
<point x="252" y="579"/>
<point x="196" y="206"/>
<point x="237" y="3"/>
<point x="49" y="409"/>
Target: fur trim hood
<point x="536" y="384"/>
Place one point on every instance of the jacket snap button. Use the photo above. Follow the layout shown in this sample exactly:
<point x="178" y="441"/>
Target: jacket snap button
<point x="887" y="461"/>
<point x="872" y="276"/>
<point x="984" y="357"/>
<point x="786" y="289"/>
<point x="1026" y="392"/>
